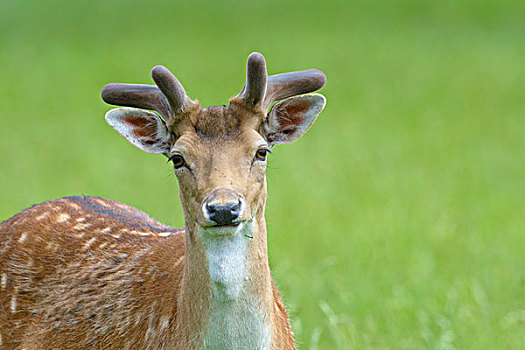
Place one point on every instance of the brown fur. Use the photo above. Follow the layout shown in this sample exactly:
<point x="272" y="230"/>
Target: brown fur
<point x="91" y="273"/>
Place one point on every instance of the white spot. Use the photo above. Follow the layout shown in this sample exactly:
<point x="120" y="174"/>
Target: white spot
<point x="116" y="236"/>
<point x="164" y="234"/>
<point x="178" y="261"/>
<point x="81" y="226"/>
<point x="103" y="245"/>
<point x="139" y="318"/>
<point x="23" y="237"/>
<point x="4" y="280"/>
<point x="73" y="205"/>
<point x="149" y="333"/>
<point x="105" y="230"/>
<point x="88" y="243"/>
<point x="140" y="233"/>
<point x="81" y="219"/>
<point x="13" y="303"/>
<point x="52" y="246"/>
<point x="151" y="321"/>
<point x="101" y="202"/>
<point x="42" y="216"/>
<point x="164" y="322"/>
<point x="63" y="217"/>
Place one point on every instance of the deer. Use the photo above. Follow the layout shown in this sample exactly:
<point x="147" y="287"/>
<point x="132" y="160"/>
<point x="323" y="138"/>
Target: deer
<point x="92" y="273"/>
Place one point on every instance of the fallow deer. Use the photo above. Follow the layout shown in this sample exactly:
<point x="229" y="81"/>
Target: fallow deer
<point x="91" y="273"/>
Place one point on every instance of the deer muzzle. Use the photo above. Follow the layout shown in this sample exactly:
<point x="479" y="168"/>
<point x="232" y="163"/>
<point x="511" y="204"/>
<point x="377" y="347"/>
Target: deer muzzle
<point x="223" y="207"/>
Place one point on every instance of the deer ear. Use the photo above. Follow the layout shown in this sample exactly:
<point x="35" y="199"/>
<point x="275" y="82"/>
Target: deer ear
<point x="141" y="128"/>
<point x="289" y="119"/>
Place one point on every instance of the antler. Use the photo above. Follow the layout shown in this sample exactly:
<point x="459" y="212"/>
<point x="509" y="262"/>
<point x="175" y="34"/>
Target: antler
<point x="254" y="91"/>
<point x="281" y="86"/>
<point x="169" y="98"/>
<point x="261" y="90"/>
<point x="170" y="87"/>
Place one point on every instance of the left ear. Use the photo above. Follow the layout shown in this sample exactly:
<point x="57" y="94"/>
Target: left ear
<point x="143" y="129"/>
<point x="289" y="119"/>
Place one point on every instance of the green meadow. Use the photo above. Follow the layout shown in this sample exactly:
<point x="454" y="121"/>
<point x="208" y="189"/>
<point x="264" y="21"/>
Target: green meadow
<point x="397" y="222"/>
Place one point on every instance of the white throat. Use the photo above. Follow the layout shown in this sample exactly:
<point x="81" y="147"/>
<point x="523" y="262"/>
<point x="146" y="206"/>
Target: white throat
<point x="237" y="319"/>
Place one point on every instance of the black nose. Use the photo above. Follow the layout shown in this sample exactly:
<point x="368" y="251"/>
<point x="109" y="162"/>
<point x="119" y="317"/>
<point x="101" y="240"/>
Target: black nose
<point x="223" y="214"/>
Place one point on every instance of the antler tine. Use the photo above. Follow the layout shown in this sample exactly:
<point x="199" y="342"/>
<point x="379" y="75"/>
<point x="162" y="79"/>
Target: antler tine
<point x="170" y="87"/>
<point x="254" y="91"/>
<point x="281" y="86"/>
<point x="137" y="95"/>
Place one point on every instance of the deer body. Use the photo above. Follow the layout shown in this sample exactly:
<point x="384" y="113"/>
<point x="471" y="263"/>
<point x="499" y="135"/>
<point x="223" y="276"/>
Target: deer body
<point x="87" y="272"/>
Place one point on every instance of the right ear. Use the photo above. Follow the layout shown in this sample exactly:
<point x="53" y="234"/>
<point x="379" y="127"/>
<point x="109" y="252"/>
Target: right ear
<point x="143" y="129"/>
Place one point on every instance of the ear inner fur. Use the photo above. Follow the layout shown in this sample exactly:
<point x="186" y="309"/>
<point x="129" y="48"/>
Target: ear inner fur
<point x="289" y="119"/>
<point x="143" y="129"/>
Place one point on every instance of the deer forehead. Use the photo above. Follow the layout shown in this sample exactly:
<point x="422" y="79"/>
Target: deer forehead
<point x="219" y="122"/>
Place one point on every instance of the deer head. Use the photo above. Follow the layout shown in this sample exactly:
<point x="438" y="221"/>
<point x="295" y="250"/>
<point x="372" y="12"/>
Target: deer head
<point x="218" y="153"/>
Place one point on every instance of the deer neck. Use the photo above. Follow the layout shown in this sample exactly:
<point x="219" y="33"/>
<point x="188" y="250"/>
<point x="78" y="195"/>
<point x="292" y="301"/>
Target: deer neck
<point x="226" y="292"/>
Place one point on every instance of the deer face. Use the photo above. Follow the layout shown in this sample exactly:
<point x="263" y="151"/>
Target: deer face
<point x="221" y="170"/>
<point x="218" y="153"/>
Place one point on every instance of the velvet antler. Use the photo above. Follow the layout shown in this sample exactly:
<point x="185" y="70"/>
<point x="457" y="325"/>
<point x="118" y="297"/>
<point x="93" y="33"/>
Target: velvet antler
<point x="261" y="90"/>
<point x="168" y="97"/>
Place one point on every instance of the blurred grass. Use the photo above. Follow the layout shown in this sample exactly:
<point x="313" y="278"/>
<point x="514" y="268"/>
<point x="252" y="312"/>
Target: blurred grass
<point x="398" y="222"/>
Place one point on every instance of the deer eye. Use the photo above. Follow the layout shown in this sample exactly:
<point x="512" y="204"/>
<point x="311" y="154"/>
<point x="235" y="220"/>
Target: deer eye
<point x="261" y="154"/>
<point x="177" y="160"/>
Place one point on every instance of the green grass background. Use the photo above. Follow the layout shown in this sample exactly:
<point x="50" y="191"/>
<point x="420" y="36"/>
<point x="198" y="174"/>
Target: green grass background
<point x="397" y="222"/>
